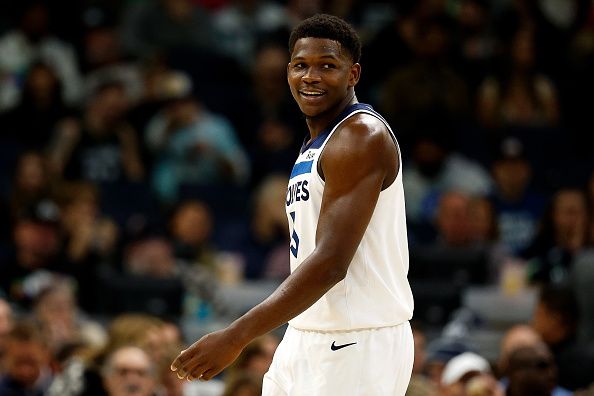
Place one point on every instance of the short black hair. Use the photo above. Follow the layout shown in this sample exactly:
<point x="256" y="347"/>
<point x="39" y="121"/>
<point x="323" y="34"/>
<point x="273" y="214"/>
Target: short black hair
<point x="331" y="27"/>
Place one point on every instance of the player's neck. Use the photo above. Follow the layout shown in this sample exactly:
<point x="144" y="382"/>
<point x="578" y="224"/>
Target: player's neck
<point x="319" y="123"/>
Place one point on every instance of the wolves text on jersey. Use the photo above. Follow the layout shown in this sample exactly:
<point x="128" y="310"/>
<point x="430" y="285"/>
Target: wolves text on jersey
<point x="297" y="192"/>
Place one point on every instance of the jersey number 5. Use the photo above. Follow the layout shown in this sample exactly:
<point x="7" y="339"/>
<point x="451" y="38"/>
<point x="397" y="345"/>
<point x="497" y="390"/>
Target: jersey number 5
<point x="294" y="247"/>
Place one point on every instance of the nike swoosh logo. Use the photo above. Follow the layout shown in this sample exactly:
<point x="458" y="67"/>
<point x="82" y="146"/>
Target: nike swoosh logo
<point x="335" y="347"/>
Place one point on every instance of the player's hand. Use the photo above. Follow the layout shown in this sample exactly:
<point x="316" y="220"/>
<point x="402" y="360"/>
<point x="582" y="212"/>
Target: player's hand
<point x="207" y="357"/>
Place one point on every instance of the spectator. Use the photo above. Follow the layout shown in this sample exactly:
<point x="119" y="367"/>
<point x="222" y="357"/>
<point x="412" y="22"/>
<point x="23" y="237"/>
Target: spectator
<point x="193" y="146"/>
<point x="164" y="25"/>
<point x="83" y="373"/>
<point x="26" y="362"/>
<point x="459" y="370"/>
<point x="39" y="111"/>
<point x="427" y="82"/>
<point x="90" y="239"/>
<point x="556" y="319"/>
<point x="30" y="41"/>
<point x="150" y="256"/>
<point x="57" y="314"/>
<point x="265" y="242"/>
<point x="241" y="24"/>
<point x="452" y="220"/>
<point x="434" y="169"/>
<point x="104" y="60"/>
<point x="31" y="184"/>
<point x="564" y="231"/>
<point x="103" y="147"/>
<point x="269" y="124"/>
<point x="517" y="205"/>
<point x="36" y="245"/>
<point x="477" y="42"/>
<point x="129" y="371"/>
<point x="518" y="337"/>
<point x="520" y="96"/>
<point x="531" y="371"/>
<point x="191" y="227"/>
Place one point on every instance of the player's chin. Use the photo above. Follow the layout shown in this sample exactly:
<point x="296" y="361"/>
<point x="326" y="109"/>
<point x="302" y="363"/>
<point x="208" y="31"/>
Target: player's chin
<point x="310" y="111"/>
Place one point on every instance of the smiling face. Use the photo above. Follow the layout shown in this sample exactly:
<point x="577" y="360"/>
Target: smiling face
<point x="322" y="77"/>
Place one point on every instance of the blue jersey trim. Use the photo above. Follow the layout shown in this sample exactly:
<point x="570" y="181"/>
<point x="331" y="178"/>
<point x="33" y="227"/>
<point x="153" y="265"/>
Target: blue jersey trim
<point x="300" y="168"/>
<point x="321" y="138"/>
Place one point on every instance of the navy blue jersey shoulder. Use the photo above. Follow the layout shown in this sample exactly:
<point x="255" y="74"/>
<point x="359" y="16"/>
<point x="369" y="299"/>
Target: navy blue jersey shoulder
<point x="321" y="138"/>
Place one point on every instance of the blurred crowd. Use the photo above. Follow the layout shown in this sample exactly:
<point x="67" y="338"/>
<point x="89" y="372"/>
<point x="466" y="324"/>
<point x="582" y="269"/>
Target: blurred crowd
<point x="145" y="149"/>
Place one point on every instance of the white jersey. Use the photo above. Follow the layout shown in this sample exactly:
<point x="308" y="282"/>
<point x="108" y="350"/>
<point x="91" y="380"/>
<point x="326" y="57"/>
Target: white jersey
<point x="375" y="292"/>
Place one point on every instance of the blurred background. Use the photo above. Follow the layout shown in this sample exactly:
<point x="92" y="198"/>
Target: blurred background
<point x="145" y="148"/>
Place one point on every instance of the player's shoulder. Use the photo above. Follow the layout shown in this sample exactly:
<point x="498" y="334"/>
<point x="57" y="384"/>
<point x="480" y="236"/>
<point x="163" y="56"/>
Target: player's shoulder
<point x="363" y="130"/>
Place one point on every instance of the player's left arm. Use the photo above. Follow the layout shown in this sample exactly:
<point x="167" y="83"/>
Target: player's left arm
<point x="357" y="163"/>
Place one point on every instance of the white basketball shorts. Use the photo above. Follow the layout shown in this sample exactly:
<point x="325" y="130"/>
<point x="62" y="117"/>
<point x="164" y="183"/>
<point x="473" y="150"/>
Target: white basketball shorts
<point x="370" y="362"/>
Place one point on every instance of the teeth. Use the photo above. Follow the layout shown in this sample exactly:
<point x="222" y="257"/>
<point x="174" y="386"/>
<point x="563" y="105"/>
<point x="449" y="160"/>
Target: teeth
<point x="311" y="93"/>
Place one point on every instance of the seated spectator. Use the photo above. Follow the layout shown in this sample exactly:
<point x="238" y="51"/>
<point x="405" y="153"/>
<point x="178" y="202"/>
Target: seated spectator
<point x="39" y="111"/>
<point x="240" y="25"/>
<point x="56" y="312"/>
<point x="564" y="231"/>
<point x="32" y="40"/>
<point x="191" y="228"/>
<point x="83" y="373"/>
<point x="30" y="184"/>
<point x="90" y="239"/>
<point x="521" y="96"/>
<point x="435" y="169"/>
<point x="426" y="82"/>
<point x="193" y="146"/>
<point x="518" y="337"/>
<point x="150" y="256"/>
<point x="101" y="147"/>
<point x="129" y="370"/>
<point x="265" y="244"/>
<point x="103" y="59"/>
<point x="26" y="362"/>
<point x="556" y="320"/>
<point x="36" y="245"/>
<point x="439" y="352"/>
<point x="155" y="26"/>
<point x="6" y="323"/>
<point x="452" y="220"/>
<point x="517" y="205"/>
<point x="459" y="370"/>
<point x="531" y="371"/>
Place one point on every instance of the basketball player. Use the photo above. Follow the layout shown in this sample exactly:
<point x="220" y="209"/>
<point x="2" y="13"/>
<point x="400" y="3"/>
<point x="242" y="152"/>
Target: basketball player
<point x="347" y="300"/>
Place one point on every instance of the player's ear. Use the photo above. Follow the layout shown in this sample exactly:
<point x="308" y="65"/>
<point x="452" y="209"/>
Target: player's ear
<point x="355" y="74"/>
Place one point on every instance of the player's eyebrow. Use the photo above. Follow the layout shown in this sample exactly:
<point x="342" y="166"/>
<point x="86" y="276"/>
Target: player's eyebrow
<point x="327" y="56"/>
